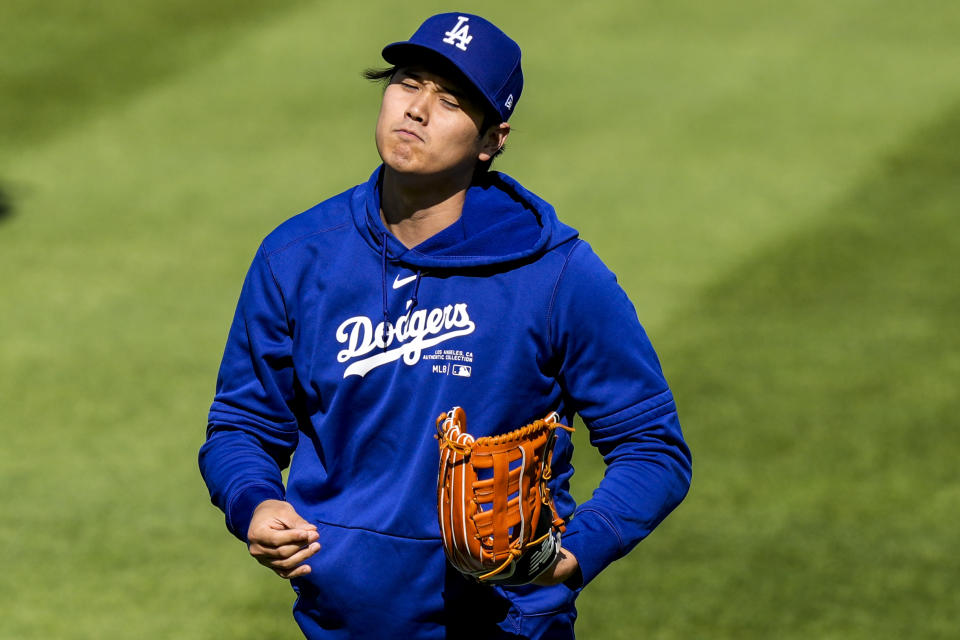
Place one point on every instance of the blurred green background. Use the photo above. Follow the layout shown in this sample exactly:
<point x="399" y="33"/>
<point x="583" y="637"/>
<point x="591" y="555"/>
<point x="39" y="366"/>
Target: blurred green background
<point x="776" y="184"/>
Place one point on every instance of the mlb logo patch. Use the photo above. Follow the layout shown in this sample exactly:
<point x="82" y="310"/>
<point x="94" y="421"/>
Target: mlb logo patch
<point x="461" y="370"/>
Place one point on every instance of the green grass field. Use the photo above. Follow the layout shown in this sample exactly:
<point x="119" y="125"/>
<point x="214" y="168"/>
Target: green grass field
<point x="776" y="184"/>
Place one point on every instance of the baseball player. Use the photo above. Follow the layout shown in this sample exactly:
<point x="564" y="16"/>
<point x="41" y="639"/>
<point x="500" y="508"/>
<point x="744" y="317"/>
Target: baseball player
<point x="436" y="283"/>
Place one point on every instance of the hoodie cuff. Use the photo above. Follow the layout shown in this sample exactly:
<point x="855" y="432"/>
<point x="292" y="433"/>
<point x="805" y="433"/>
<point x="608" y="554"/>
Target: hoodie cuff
<point x="593" y="541"/>
<point x="244" y="503"/>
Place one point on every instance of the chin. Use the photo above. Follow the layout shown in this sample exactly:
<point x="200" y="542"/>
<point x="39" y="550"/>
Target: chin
<point x="405" y="163"/>
<point x="403" y="166"/>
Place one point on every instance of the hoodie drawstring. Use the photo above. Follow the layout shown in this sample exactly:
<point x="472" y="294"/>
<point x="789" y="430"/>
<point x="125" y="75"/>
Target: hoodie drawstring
<point x="416" y="290"/>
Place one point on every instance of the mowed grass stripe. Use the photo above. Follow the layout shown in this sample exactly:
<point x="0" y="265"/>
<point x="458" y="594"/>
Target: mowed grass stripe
<point x="63" y="61"/>
<point x="690" y="134"/>
<point x="817" y="386"/>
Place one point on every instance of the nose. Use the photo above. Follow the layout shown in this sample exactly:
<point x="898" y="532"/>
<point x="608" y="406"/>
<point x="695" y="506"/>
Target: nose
<point x="417" y="108"/>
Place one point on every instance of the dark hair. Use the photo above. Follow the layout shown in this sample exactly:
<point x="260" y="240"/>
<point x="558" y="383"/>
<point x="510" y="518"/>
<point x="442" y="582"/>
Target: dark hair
<point x="490" y="117"/>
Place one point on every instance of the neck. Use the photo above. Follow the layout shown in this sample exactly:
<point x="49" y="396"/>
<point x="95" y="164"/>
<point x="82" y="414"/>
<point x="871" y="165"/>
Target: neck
<point x="414" y="208"/>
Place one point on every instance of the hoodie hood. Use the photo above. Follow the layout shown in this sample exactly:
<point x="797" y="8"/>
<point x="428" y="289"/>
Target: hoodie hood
<point x="501" y="222"/>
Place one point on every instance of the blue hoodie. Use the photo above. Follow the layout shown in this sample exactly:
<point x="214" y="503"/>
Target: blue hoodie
<point x="346" y="346"/>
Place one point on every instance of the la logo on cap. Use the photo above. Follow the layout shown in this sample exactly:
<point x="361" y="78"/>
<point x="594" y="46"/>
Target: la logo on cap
<point x="460" y="34"/>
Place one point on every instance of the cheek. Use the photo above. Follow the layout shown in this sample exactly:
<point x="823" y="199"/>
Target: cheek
<point x="382" y="131"/>
<point x="465" y="139"/>
<point x="378" y="137"/>
<point x="381" y="127"/>
<point x="391" y="111"/>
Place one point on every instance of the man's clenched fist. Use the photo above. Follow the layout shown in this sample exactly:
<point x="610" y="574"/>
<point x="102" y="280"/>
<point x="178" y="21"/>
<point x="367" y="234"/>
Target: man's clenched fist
<point x="281" y="540"/>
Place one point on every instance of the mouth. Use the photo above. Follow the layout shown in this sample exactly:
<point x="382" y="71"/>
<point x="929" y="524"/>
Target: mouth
<point x="407" y="134"/>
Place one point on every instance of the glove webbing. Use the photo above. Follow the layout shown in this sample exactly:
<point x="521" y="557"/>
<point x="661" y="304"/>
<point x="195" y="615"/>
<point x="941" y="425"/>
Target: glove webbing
<point x="505" y="482"/>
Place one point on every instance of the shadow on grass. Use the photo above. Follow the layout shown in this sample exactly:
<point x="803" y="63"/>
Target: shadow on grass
<point x="6" y="204"/>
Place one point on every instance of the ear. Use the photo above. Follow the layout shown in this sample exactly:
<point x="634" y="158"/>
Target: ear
<point x="493" y="140"/>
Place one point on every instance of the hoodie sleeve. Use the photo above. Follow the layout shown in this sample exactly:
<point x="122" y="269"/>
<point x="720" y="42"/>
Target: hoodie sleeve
<point x="613" y="379"/>
<point x="251" y="429"/>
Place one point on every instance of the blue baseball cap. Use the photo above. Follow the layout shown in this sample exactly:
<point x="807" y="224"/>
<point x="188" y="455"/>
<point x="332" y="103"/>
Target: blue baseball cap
<point x="484" y="54"/>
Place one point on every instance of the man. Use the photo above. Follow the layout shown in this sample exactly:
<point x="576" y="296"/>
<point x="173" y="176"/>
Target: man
<point x="435" y="283"/>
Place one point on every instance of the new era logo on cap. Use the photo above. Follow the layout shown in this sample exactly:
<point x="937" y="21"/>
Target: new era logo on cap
<point x="484" y="54"/>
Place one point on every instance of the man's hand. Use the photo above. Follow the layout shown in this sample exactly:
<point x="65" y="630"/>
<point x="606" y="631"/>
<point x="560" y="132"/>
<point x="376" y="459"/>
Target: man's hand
<point x="280" y="539"/>
<point x="563" y="569"/>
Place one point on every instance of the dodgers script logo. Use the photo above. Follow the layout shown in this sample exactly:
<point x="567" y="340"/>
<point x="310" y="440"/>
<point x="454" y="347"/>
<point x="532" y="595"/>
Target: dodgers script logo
<point x="411" y="334"/>
<point x="460" y="34"/>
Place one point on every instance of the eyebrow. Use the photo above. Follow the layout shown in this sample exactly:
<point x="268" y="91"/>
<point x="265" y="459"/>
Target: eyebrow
<point x="445" y="87"/>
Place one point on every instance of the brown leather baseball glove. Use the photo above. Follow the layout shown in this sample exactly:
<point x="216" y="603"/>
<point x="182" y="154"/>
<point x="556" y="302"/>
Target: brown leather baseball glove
<point x="497" y="517"/>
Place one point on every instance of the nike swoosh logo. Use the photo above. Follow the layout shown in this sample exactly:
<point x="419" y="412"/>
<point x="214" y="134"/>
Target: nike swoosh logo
<point x="401" y="282"/>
